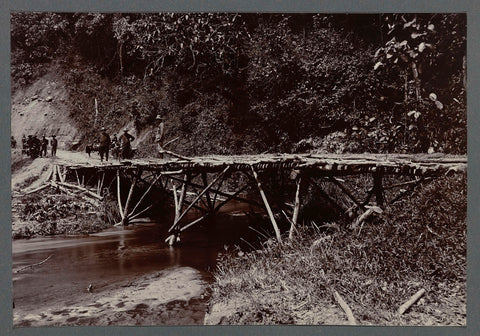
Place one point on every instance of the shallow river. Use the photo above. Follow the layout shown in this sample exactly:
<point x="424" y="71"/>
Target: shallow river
<point x="134" y="277"/>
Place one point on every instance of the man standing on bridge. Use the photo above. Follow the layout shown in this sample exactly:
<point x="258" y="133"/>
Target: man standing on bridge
<point x="126" y="148"/>
<point x="104" y="144"/>
<point x="43" y="151"/>
<point x="54" y="144"/>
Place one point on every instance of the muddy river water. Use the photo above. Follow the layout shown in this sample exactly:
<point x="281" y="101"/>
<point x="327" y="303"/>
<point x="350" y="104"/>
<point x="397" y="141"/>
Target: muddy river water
<point x="122" y="276"/>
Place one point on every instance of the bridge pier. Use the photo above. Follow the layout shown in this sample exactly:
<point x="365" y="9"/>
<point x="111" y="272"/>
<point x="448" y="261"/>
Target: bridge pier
<point x="296" y="207"/>
<point x="267" y="206"/>
<point x="179" y="215"/>
<point x="377" y="188"/>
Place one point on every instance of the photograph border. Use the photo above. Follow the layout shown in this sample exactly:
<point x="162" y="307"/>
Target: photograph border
<point x="471" y="7"/>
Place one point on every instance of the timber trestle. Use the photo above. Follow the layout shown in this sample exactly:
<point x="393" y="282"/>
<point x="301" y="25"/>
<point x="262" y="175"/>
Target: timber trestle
<point x="279" y="181"/>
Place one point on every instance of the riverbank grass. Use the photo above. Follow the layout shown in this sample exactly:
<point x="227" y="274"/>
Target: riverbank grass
<point x="418" y="243"/>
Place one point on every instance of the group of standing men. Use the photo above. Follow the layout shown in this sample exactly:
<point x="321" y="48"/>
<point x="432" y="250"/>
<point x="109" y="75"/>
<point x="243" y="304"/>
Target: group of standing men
<point x="38" y="147"/>
<point x="123" y="144"/>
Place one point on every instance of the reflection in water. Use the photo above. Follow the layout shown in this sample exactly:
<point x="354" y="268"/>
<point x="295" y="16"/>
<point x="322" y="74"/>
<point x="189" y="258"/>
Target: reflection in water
<point x="116" y="256"/>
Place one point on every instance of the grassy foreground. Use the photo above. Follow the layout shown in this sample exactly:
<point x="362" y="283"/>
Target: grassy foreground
<point x="416" y="243"/>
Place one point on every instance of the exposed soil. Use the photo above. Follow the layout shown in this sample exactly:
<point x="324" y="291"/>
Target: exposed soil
<point x="142" y="301"/>
<point x="41" y="109"/>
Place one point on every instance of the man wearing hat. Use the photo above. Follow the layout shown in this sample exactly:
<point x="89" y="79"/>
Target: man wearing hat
<point x="104" y="147"/>
<point x="54" y="144"/>
<point x="160" y="136"/>
<point x="125" y="140"/>
<point x="43" y="151"/>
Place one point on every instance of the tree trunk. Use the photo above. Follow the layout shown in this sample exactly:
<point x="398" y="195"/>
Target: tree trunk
<point x="120" y="56"/>
<point x="417" y="80"/>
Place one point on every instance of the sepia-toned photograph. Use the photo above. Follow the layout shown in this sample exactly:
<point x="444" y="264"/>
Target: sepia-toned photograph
<point x="238" y="169"/>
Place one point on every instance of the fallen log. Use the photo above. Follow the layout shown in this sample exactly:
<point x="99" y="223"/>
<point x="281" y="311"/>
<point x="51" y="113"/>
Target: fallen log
<point x="170" y="141"/>
<point x="65" y="190"/>
<point x="363" y="217"/>
<point x="404" y="307"/>
<point x="175" y="155"/>
<point x="345" y="307"/>
<point x="33" y="265"/>
<point x="91" y="193"/>
<point x="37" y="189"/>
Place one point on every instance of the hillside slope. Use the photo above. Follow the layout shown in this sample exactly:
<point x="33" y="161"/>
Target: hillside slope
<point x="45" y="108"/>
<point x="41" y="109"/>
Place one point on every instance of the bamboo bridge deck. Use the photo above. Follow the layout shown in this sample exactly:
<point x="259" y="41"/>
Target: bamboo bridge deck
<point x="335" y="164"/>
<point x="204" y="177"/>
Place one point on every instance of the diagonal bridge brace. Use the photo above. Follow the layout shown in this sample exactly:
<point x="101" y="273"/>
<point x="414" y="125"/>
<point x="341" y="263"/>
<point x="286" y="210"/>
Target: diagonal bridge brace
<point x="229" y="196"/>
<point x="207" y="188"/>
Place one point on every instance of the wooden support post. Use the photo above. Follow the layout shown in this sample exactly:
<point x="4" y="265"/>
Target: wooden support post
<point x="78" y="179"/>
<point x="197" y="198"/>
<point x="119" y="195"/>
<point x="185" y="202"/>
<point x="145" y="193"/>
<point x="377" y="187"/>
<point x="207" y="194"/>
<point x="132" y="216"/>
<point x="54" y="175"/>
<point x="172" y="239"/>
<point x="230" y="197"/>
<point x="88" y="181"/>
<point x="98" y="185"/>
<point x="175" y="202"/>
<point x="325" y="195"/>
<point x="83" y="180"/>
<point x="410" y="189"/>
<point x="179" y="200"/>
<point x="192" y="223"/>
<point x="296" y="209"/>
<point x="201" y="199"/>
<point x="267" y="206"/>
<point x="49" y="175"/>
<point x="165" y="183"/>
<point x="183" y="191"/>
<point x="129" y="198"/>
<point x="369" y="196"/>
<point x="346" y="191"/>
<point x="403" y="184"/>
<point x="216" y="194"/>
<point x="101" y="183"/>
<point x="61" y="173"/>
<point x="224" y="194"/>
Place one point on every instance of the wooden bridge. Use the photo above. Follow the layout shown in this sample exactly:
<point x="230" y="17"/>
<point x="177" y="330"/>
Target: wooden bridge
<point x="281" y="180"/>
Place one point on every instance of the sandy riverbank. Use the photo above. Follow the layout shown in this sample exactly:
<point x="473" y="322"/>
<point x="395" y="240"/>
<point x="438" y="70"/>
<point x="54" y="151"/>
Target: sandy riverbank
<point x="155" y="299"/>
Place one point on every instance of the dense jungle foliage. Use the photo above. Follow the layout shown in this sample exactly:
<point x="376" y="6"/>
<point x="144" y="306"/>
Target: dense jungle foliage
<point x="250" y="83"/>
